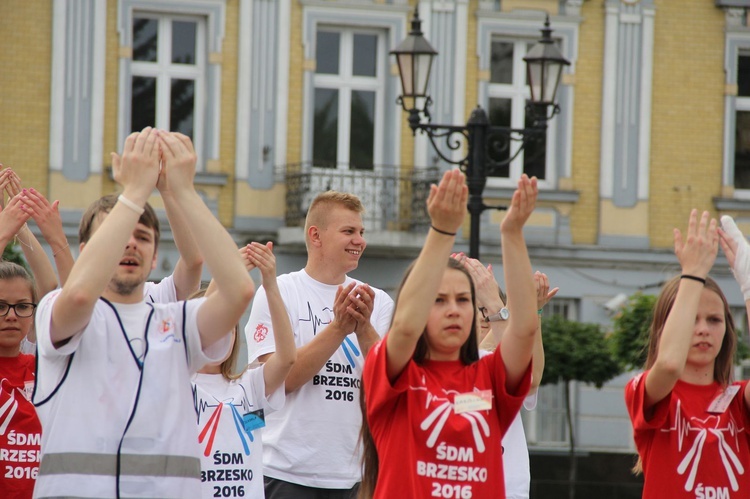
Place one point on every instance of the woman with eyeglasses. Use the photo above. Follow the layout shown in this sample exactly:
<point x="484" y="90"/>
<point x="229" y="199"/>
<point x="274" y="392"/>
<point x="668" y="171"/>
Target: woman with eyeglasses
<point x="20" y="430"/>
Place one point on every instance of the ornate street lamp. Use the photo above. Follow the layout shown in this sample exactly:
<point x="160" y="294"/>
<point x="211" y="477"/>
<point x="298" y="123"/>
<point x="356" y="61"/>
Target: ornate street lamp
<point x="544" y="64"/>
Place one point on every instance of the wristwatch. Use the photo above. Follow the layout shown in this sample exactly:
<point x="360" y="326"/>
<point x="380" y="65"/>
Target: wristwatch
<point x="502" y="315"/>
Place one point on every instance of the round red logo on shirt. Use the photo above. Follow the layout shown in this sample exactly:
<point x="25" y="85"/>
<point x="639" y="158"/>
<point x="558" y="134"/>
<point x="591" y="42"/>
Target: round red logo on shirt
<point x="261" y="332"/>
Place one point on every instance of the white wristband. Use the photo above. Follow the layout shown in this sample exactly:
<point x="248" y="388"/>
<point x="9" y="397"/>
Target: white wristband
<point x="122" y="199"/>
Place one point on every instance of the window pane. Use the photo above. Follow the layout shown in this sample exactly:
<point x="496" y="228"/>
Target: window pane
<point x="183" y="107"/>
<point x="501" y="62"/>
<point x="365" y="55"/>
<point x="145" y="37"/>
<point x="499" y="116"/>
<point x="743" y="75"/>
<point x="742" y="151"/>
<point x="325" y="127"/>
<point x="143" y="104"/>
<point x="362" y="138"/>
<point x="327" y="52"/>
<point x="534" y="153"/>
<point x="183" y="42"/>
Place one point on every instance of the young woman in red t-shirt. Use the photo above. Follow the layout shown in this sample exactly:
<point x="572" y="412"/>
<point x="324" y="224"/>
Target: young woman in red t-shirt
<point x="690" y="421"/>
<point x="435" y="413"/>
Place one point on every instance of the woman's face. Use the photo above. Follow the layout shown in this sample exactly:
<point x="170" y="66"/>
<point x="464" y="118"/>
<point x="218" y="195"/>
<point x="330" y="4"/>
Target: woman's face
<point x="451" y="316"/>
<point x="13" y="329"/>
<point x="708" y="331"/>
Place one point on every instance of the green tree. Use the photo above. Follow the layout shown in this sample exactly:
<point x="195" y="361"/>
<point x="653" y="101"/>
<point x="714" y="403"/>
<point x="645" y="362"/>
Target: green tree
<point x="576" y="351"/>
<point x="630" y="331"/>
<point x="12" y="253"/>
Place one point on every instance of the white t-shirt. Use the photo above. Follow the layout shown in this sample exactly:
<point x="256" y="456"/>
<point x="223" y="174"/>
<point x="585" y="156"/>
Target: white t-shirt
<point x="153" y="292"/>
<point x="516" y="456"/>
<point x="230" y="435"/>
<point x="312" y="441"/>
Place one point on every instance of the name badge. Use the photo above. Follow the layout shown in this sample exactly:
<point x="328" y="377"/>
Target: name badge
<point x="720" y="403"/>
<point x="254" y="420"/>
<point x="473" y="401"/>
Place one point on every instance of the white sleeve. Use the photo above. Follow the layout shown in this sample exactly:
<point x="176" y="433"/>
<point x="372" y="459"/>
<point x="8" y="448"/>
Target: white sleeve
<point x="161" y="292"/>
<point x="382" y="322"/>
<point x="253" y="381"/>
<point x="259" y="329"/>
<point x="43" y="321"/>
<point x="529" y="403"/>
<point x="198" y="356"/>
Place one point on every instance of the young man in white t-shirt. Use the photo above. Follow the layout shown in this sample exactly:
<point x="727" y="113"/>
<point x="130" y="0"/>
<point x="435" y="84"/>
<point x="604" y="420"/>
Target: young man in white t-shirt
<point x="113" y="378"/>
<point x="310" y="446"/>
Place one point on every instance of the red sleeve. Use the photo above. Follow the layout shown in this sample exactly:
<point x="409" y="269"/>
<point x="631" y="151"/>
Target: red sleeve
<point x="508" y="404"/>
<point x="381" y="396"/>
<point x="635" y="399"/>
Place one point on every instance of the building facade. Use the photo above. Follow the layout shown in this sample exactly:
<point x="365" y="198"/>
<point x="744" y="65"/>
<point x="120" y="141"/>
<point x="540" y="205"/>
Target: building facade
<point x="286" y="98"/>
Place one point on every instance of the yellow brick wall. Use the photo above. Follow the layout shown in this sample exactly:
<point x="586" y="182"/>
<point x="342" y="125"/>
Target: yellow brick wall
<point x="687" y="125"/>
<point x="227" y="146"/>
<point x="584" y="221"/>
<point x="296" y="86"/>
<point x="25" y="68"/>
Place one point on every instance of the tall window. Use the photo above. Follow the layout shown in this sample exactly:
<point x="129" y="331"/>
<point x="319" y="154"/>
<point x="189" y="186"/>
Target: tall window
<point x="742" y="124"/>
<point x="508" y="92"/>
<point x="168" y="67"/>
<point x="348" y="98"/>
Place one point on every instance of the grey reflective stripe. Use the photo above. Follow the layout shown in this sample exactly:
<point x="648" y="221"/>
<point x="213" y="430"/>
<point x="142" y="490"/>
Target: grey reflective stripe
<point x="130" y="464"/>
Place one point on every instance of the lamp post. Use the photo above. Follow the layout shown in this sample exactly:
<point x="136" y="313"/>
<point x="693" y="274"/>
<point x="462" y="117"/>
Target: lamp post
<point x="544" y="65"/>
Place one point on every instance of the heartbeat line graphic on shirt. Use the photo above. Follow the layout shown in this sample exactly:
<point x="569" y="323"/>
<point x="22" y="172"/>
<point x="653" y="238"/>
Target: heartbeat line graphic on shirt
<point x="208" y="432"/>
<point x="348" y="347"/>
<point x="480" y="429"/>
<point x="704" y="427"/>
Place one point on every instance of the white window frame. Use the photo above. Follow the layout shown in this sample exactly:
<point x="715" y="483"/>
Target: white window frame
<point x="345" y="82"/>
<point x="518" y="92"/>
<point x="164" y="70"/>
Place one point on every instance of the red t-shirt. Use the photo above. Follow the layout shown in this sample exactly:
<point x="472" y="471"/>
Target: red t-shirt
<point x="20" y="430"/>
<point x="688" y="452"/>
<point x="424" y="447"/>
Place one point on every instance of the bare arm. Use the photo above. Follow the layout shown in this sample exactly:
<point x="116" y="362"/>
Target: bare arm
<point x="543" y="296"/>
<point x="187" y="271"/>
<point x="278" y="365"/>
<point x="517" y="343"/>
<point x="446" y="205"/>
<point x="136" y="171"/>
<point x="234" y="288"/>
<point x="696" y="255"/>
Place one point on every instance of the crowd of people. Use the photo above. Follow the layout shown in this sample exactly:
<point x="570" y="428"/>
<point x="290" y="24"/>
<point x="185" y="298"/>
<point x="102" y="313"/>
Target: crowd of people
<point x="114" y="386"/>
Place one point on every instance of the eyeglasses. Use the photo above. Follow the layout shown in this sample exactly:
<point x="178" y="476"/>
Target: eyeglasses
<point x="483" y="310"/>
<point x="20" y="309"/>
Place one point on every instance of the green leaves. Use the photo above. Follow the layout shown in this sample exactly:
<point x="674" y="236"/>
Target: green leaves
<point x="630" y="331"/>
<point x="576" y="351"/>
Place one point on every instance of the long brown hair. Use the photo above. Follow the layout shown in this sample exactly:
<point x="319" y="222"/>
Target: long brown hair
<point x="469" y="354"/>
<point x="723" y="365"/>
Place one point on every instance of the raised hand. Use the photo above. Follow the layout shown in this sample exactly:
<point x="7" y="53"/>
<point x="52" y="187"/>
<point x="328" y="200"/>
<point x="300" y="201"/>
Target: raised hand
<point x="543" y="293"/>
<point x="697" y="251"/>
<point x="737" y="250"/>
<point x="261" y="256"/>
<point x="13" y="216"/>
<point x="138" y="167"/>
<point x="446" y="203"/>
<point x="179" y="160"/>
<point x="485" y="284"/>
<point x="521" y="205"/>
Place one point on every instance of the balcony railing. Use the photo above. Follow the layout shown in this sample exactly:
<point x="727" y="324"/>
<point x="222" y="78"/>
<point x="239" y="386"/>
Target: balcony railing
<point x="394" y="198"/>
